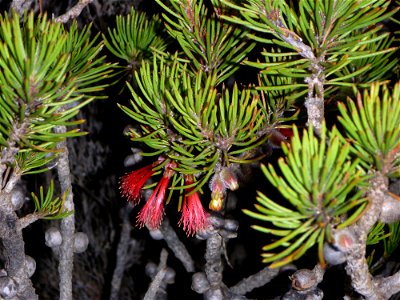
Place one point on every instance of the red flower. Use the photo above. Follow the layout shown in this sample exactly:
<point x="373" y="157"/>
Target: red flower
<point x="153" y="211"/>
<point x="132" y="183"/>
<point x="194" y="216"/>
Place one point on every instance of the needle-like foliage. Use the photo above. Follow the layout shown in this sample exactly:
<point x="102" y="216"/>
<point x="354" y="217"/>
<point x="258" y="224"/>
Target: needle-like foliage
<point x="48" y="206"/>
<point x="318" y="181"/>
<point x="340" y="43"/>
<point x="47" y="74"/>
<point x="188" y="120"/>
<point x="135" y="38"/>
<point x="372" y="124"/>
<point x="212" y="45"/>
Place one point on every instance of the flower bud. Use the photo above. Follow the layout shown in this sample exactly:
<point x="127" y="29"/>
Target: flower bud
<point x="30" y="265"/>
<point x="81" y="242"/>
<point x="156" y="234"/>
<point x="53" y="237"/>
<point x="217" y="193"/>
<point x="169" y="276"/>
<point x="344" y="239"/>
<point x="231" y="225"/>
<point x="390" y="208"/>
<point x="303" y="280"/>
<point x="17" y="198"/>
<point x="216" y="204"/>
<point x="151" y="269"/>
<point x="229" y="179"/>
<point x="200" y="282"/>
<point x="333" y="256"/>
<point x="8" y="287"/>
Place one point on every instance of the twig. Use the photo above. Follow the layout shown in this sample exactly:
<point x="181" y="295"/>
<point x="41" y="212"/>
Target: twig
<point x="315" y="97"/>
<point x="390" y="285"/>
<point x="357" y="266"/>
<point x="67" y="226"/>
<point x="73" y="12"/>
<point x="155" y="284"/>
<point x="214" y="266"/>
<point x="122" y="254"/>
<point x="177" y="246"/>
<point x="28" y="220"/>
<point x="19" y="6"/>
<point x="13" y="249"/>
<point x="254" y="281"/>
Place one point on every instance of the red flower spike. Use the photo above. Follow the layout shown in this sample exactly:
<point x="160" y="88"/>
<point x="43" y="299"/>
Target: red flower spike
<point x="153" y="211"/>
<point x="194" y="216"/>
<point x="132" y="183"/>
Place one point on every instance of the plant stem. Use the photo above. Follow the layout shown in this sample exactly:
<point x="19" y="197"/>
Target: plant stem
<point x="315" y="96"/>
<point x="177" y="246"/>
<point x="122" y="253"/>
<point x="67" y="226"/>
<point x="214" y="267"/>
<point x="155" y="284"/>
<point x="21" y="5"/>
<point x="73" y="12"/>
<point x="13" y="248"/>
<point x="357" y="267"/>
<point x="254" y="281"/>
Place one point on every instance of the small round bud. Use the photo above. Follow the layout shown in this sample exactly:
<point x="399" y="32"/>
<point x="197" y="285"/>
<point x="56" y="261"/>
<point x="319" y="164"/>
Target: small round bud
<point x="169" y="276"/>
<point x="156" y="234"/>
<point x="147" y="193"/>
<point x="204" y="234"/>
<point x="333" y="256"/>
<point x="231" y="225"/>
<point x="343" y="239"/>
<point x="53" y="237"/>
<point x="81" y="242"/>
<point x="214" y="294"/>
<point x="30" y="265"/>
<point x="303" y="280"/>
<point x="216" y="221"/>
<point x="8" y="287"/>
<point x="151" y="269"/>
<point x="200" y="282"/>
<point x="17" y="198"/>
<point x="133" y="159"/>
<point x="390" y="209"/>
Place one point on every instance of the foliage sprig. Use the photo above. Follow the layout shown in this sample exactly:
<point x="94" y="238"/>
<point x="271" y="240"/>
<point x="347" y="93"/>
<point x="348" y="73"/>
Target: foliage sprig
<point x="135" y="37"/>
<point x="47" y="206"/>
<point x="339" y="42"/>
<point x="48" y="74"/>
<point x="372" y="125"/>
<point x="186" y="119"/>
<point x="212" y="45"/>
<point x="318" y="183"/>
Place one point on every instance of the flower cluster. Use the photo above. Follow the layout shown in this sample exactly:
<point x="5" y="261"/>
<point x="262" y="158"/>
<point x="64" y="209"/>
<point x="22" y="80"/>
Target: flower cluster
<point x="194" y="217"/>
